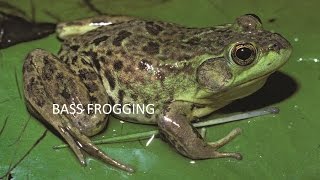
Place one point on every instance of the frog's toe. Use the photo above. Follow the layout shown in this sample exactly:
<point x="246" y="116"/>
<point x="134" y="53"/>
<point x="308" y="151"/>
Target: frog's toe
<point x="73" y="145"/>
<point x="86" y="144"/>
<point x="223" y="141"/>
<point x="237" y="156"/>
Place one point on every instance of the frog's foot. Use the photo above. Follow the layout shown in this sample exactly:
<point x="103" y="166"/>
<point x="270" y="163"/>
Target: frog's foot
<point x="86" y="144"/>
<point x="62" y="131"/>
<point x="176" y="127"/>
<point x="48" y="81"/>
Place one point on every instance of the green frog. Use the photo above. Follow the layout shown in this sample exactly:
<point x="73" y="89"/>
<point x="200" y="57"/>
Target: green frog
<point x="186" y="73"/>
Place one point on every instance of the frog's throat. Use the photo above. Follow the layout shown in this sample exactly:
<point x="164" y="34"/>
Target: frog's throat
<point x="218" y="100"/>
<point x="247" y="88"/>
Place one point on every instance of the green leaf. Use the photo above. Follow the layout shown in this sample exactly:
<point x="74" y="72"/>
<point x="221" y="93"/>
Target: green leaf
<point x="284" y="146"/>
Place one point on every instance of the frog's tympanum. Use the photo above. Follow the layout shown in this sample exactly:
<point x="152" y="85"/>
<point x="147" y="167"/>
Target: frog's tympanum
<point x="186" y="73"/>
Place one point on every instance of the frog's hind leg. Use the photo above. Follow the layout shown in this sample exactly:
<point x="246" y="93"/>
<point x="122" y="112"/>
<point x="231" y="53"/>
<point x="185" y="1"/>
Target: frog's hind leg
<point x="47" y="81"/>
<point x="176" y="127"/>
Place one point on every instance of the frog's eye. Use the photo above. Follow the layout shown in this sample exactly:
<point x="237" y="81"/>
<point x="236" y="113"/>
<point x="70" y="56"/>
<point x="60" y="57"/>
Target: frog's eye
<point x="243" y="54"/>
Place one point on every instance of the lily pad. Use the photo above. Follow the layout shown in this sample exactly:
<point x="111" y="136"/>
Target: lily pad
<point x="284" y="146"/>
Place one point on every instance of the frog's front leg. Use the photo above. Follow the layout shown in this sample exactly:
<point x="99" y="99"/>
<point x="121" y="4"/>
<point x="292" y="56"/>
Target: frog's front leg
<point x="78" y="27"/>
<point x="176" y="127"/>
<point x="48" y="81"/>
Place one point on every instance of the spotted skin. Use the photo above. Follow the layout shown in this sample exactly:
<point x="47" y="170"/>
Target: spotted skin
<point x="185" y="72"/>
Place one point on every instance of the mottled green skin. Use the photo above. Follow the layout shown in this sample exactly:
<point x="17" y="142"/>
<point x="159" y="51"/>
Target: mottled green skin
<point x="186" y="72"/>
<point x="156" y="62"/>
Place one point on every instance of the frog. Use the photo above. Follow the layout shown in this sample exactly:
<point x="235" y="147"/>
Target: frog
<point x="186" y="72"/>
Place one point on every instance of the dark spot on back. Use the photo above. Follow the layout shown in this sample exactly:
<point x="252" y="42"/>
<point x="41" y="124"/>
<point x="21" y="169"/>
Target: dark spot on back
<point x="91" y="86"/>
<point x="109" y="53"/>
<point x="91" y="54"/>
<point x="118" y="65"/>
<point x="111" y="80"/>
<point x="74" y="59"/>
<point x="75" y="47"/>
<point x="65" y="93"/>
<point x="96" y="64"/>
<point x="97" y="41"/>
<point x="93" y="99"/>
<point x="151" y="48"/>
<point x="121" y="36"/>
<point x="153" y="28"/>
<point x="87" y="74"/>
<point x="120" y="96"/>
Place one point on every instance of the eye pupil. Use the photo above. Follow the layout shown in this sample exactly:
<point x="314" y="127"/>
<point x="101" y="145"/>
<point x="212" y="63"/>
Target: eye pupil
<point x="244" y="53"/>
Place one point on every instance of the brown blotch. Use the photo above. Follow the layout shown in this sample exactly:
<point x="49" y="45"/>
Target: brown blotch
<point x="153" y="28"/>
<point x="109" y="53"/>
<point x="65" y="93"/>
<point x="111" y="80"/>
<point x="48" y="68"/>
<point x="96" y="63"/>
<point x="118" y="65"/>
<point x="92" y="87"/>
<point x="93" y="99"/>
<point x="121" y="36"/>
<point x="74" y="59"/>
<point x="91" y="54"/>
<point x="75" y="47"/>
<point x="97" y="41"/>
<point x="151" y="48"/>
<point x="121" y="94"/>
<point x="87" y="74"/>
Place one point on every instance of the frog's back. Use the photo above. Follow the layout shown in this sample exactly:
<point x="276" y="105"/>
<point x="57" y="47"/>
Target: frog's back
<point x="137" y="59"/>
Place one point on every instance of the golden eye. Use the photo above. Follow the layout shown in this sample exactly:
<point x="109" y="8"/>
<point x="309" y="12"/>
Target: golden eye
<point x="244" y="54"/>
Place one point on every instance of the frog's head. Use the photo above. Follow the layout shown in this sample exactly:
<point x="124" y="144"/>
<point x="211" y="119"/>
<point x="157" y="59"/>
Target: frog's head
<point x="249" y="54"/>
